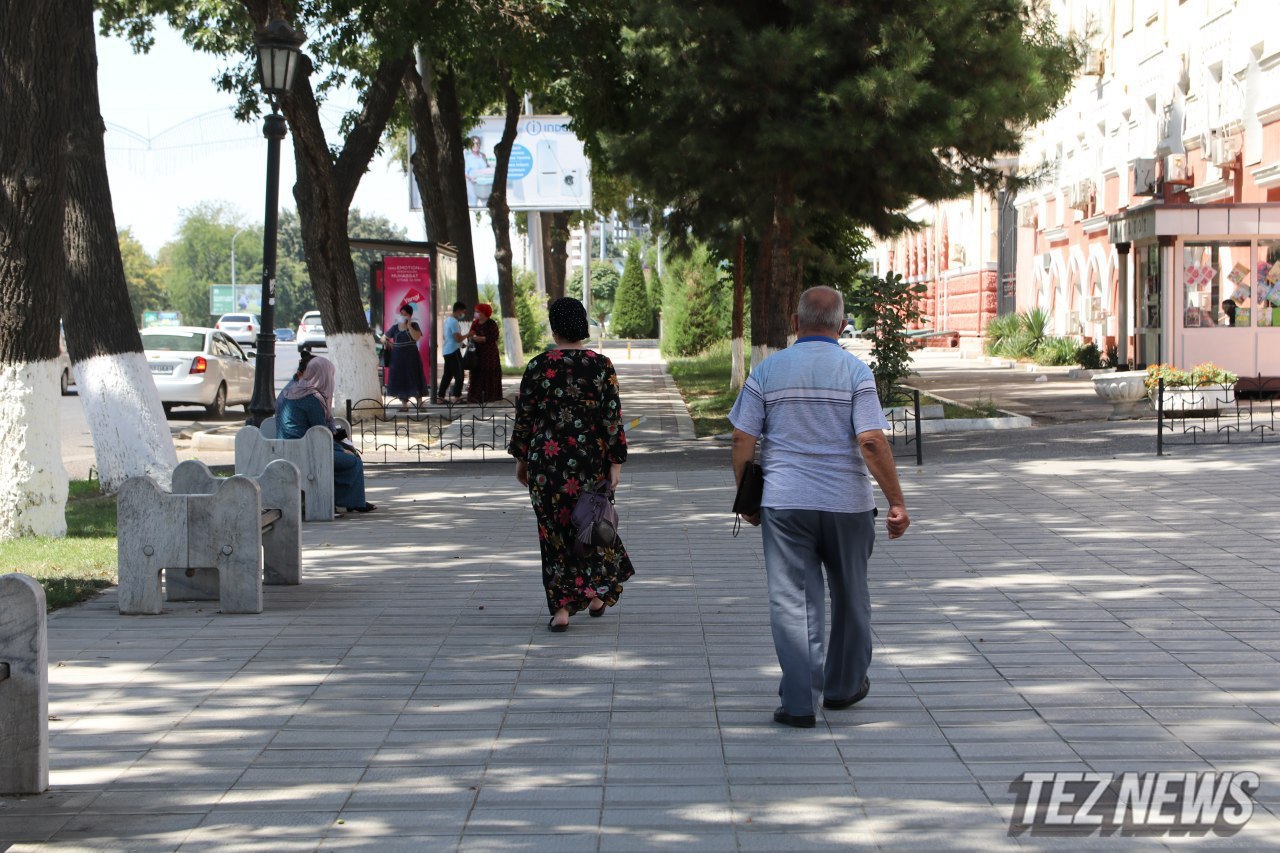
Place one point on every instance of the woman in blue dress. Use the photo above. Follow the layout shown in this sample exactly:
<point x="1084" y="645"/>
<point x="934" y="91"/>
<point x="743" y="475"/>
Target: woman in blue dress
<point x="407" y="379"/>
<point x="308" y="403"/>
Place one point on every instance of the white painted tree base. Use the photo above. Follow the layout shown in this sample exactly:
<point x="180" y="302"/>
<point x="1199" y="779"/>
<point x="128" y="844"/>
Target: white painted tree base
<point x="357" y="376"/>
<point x="511" y="341"/>
<point x="759" y="354"/>
<point x="33" y="483"/>
<point x="131" y="436"/>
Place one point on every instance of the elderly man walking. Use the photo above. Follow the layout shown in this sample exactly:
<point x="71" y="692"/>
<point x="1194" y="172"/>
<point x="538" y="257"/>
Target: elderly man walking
<point x="814" y="405"/>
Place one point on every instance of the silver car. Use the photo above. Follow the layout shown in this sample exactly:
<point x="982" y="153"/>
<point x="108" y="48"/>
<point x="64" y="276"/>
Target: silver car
<point x="241" y="328"/>
<point x="197" y="366"/>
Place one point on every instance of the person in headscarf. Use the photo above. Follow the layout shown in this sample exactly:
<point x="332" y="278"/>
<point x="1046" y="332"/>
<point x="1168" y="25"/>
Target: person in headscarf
<point x="308" y="403"/>
<point x="486" y="376"/>
<point x="407" y="377"/>
<point x="567" y="436"/>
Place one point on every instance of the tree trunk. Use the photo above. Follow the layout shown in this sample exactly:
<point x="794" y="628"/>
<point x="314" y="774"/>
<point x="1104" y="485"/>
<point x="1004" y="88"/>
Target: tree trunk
<point x="738" y="370"/>
<point x="131" y="434"/>
<point x="783" y="282"/>
<point x="426" y="159"/>
<point x="554" y="271"/>
<point x="500" y="217"/>
<point x="761" y="298"/>
<point x="446" y="119"/>
<point x="323" y="192"/>
<point x="33" y="142"/>
<point x="557" y="236"/>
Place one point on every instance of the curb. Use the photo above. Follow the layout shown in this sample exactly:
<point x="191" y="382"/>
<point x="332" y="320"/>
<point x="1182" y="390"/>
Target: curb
<point x="214" y="439"/>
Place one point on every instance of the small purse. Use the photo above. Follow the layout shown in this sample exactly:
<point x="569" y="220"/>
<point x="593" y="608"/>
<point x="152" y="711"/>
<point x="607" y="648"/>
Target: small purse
<point x="469" y="357"/>
<point x="750" y="493"/>
<point x="595" y="519"/>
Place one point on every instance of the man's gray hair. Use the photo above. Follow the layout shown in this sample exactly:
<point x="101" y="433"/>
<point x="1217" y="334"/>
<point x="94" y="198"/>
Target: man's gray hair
<point x="821" y="308"/>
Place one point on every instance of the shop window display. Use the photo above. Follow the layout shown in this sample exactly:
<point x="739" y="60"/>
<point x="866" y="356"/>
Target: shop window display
<point x="1267" y="285"/>
<point x="1216" y="283"/>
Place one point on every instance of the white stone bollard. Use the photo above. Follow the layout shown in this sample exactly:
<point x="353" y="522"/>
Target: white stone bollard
<point x="24" y="694"/>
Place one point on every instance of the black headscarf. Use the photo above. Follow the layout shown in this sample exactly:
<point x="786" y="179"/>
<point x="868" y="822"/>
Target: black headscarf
<point x="568" y="319"/>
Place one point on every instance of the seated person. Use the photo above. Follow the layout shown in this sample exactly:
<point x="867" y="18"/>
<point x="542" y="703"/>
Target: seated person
<point x="307" y="404"/>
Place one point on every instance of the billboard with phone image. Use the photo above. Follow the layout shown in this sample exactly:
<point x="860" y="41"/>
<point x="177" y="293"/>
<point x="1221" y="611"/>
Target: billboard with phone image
<point x="548" y="169"/>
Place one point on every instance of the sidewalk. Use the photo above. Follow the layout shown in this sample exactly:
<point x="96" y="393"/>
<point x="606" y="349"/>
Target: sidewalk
<point x="408" y="696"/>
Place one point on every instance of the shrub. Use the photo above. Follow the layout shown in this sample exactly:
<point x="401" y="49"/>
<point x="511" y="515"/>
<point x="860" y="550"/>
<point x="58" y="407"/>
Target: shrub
<point x="693" y="312"/>
<point x="890" y="304"/>
<point x="1199" y="376"/>
<point x="531" y="312"/>
<point x="1056" y="351"/>
<point x="632" y="317"/>
<point x="999" y="330"/>
<point x="1089" y="357"/>
<point x="1033" y="327"/>
<point x="1113" y="356"/>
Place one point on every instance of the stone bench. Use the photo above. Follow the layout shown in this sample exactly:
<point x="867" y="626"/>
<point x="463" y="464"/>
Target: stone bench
<point x="221" y="532"/>
<point x="312" y="454"/>
<point x="281" y="529"/>
<point x="24" y="686"/>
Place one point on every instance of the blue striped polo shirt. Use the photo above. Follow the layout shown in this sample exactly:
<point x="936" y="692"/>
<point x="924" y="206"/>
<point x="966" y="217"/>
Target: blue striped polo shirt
<point x="807" y="404"/>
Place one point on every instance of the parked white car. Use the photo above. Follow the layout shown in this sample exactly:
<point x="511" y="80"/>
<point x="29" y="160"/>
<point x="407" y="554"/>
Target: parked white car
<point x="241" y="328"/>
<point x="310" y="331"/>
<point x="197" y="366"/>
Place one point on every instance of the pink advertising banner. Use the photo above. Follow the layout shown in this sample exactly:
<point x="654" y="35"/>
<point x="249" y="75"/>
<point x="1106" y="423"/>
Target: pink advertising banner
<point x="407" y="281"/>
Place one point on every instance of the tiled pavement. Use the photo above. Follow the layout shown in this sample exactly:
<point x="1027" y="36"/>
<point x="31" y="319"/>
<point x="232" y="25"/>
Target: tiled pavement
<point x="1103" y="615"/>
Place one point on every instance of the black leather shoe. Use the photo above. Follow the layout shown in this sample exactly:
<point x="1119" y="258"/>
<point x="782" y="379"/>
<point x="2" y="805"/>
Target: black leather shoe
<point x="841" y="704"/>
<point x="557" y="629"/>
<point x="806" y="721"/>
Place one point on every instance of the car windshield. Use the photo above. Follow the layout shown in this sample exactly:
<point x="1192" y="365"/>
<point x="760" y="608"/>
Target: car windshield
<point x="174" y="341"/>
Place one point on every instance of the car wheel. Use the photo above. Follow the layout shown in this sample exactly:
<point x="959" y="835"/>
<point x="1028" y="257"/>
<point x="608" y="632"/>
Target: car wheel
<point x="65" y="381"/>
<point x="218" y="408"/>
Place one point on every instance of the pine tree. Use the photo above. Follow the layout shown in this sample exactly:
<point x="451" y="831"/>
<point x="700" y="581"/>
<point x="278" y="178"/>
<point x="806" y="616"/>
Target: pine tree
<point x="632" y="317"/>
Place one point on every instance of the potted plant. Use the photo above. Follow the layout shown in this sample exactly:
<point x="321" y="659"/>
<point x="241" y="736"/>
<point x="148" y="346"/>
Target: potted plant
<point x="1205" y="387"/>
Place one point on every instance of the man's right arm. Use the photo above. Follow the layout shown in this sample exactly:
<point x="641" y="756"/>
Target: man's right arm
<point x="878" y="455"/>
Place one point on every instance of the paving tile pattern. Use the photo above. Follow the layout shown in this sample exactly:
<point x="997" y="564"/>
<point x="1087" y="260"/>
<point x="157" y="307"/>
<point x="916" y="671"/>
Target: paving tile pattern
<point x="1098" y="616"/>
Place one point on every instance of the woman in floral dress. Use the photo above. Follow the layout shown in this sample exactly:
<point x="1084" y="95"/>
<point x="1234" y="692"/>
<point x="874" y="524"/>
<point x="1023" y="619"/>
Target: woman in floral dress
<point x="568" y="435"/>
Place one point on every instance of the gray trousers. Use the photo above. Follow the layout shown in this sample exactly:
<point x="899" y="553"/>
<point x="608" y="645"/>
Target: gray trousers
<point x="798" y="545"/>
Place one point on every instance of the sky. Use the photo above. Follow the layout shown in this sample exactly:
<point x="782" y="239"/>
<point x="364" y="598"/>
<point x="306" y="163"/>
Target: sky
<point x="172" y="143"/>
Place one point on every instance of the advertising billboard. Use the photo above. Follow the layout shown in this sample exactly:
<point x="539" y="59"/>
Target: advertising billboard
<point x="228" y="299"/>
<point x="548" y="170"/>
<point x="407" y="281"/>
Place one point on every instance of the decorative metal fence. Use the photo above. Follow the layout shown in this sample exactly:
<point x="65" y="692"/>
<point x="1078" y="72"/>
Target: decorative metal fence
<point x="902" y="410"/>
<point x="1247" y="411"/>
<point x="431" y="433"/>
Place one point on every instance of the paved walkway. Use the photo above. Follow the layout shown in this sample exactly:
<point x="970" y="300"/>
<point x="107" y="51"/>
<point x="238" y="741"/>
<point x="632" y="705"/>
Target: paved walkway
<point x="1114" y="614"/>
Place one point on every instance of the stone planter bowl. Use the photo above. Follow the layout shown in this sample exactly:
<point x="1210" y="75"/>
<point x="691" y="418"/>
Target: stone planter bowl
<point x="1124" y="391"/>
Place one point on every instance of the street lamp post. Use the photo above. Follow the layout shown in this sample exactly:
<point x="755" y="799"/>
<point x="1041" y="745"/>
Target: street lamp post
<point x="278" y="54"/>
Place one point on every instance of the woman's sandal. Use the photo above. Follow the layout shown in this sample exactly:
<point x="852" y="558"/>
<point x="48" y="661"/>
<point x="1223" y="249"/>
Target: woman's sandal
<point x="557" y="629"/>
<point x="596" y="613"/>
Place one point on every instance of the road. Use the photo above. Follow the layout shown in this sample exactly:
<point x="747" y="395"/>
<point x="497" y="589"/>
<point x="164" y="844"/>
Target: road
<point x="77" y="441"/>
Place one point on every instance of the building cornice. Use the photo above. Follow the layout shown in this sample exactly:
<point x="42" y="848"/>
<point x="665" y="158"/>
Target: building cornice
<point x="1216" y="191"/>
<point x="1095" y="224"/>
<point x="1055" y="235"/>
<point x="1267" y="177"/>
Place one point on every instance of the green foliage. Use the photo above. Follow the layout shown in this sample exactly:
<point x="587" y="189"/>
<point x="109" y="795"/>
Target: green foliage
<point x="531" y="313"/>
<point x="696" y="312"/>
<point x="632" y="317"/>
<point x="1089" y="357"/>
<point x="1199" y="376"/>
<point x="1034" y="327"/>
<point x="716" y="109"/>
<point x="604" y="286"/>
<point x="1056" y="351"/>
<point x="200" y="255"/>
<point x="999" y="331"/>
<point x="703" y="381"/>
<point x="888" y="306"/>
<point x="142" y="276"/>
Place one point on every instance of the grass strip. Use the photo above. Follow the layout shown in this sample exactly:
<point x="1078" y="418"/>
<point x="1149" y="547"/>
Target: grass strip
<point x="73" y="568"/>
<point x="703" y="381"/>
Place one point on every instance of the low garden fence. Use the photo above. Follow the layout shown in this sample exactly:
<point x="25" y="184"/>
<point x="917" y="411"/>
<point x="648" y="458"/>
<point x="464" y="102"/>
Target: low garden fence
<point x="1231" y="413"/>
<point x="442" y="432"/>
<point x="902" y="410"/>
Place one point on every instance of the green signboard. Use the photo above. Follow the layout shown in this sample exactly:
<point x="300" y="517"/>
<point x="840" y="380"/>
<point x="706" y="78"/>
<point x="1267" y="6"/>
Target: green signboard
<point x="222" y="299"/>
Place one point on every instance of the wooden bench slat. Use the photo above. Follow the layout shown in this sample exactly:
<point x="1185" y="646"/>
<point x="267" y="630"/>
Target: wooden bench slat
<point x="270" y="517"/>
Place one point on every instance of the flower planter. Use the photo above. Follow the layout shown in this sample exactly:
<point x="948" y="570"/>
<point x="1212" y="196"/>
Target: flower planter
<point x="1124" y="391"/>
<point x="1209" y="398"/>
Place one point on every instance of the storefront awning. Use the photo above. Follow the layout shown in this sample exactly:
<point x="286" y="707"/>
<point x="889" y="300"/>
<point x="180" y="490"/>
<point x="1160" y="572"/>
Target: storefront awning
<point x="1156" y="219"/>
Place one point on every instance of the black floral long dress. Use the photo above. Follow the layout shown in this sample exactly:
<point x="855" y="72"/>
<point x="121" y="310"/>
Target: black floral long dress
<point x="568" y="428"/>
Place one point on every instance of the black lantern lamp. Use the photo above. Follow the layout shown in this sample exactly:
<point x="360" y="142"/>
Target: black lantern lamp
<point x="279" y="55"/>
